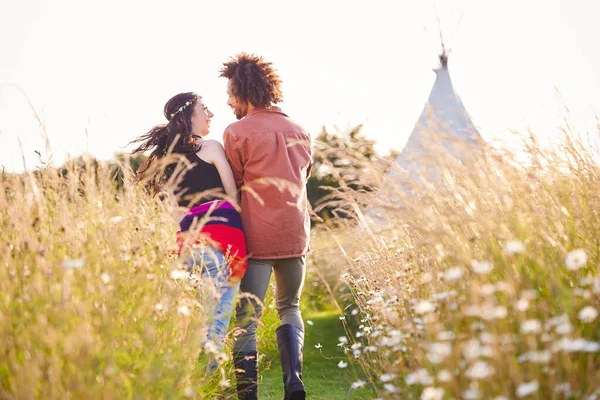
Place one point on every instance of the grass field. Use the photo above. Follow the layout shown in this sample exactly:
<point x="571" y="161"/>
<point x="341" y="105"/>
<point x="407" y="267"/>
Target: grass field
<point x="324" y="379"/>
<point x="488" y="290"/>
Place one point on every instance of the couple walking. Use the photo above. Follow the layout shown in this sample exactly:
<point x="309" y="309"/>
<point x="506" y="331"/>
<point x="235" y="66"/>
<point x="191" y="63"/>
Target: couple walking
<point x="261" y="170"/>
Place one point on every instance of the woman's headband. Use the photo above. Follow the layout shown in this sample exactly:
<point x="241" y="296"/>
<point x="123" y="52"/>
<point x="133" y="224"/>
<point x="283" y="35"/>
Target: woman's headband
<point x="187" y="103"/>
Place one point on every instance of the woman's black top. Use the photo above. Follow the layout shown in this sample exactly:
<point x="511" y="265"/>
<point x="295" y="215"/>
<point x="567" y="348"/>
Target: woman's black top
<point x="201" y="177"/>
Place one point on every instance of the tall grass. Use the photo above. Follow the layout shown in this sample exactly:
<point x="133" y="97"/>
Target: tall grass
<point x="89" y="307"/>
<point x="94" y="304"/>
<point x="484" y="287"/>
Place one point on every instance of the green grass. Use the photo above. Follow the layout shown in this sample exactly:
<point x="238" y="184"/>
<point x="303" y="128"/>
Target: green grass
<point x="321" y="374"/>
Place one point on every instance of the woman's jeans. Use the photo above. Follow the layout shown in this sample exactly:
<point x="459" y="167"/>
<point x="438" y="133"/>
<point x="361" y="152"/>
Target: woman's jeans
<point x="212" y="265"/>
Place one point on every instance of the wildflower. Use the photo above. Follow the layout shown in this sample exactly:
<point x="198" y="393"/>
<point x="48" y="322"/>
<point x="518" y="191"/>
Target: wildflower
<point x="488" y="289"/>
<point x="420" y="377"/>
<point x="563" y="388"/>
<point x="564" y="329"/>
<point x="531" y="326"/>
<point x="487" y="337"/>
<point x="159" y="307"/>
<point x="427" y="277"/>
<point x="110" y="370"/>
<point x="444" y="376"/>
<point x="453" y="274"/>
<point x="210" y="347"/>
<point x="586" y="281"/>
<point x="184" y="310"/>
<point x="473" y="311"/>
<point x="432" y="393"/>
<point x="343" y="339"/>
<point x="538" y="357"/>
<point x="522" y="305"/>
<point x="482" y="267"/>
<point x="74" y="263"/>
<point x="188" y="392"/>
<point x="342" y="318"/>
<point x="318" y="346"/>
<point x="342" y="364"/>
<point x="358" y="384"/>
<point x="514" y="247"/>
<point x="577" y="345"/>
<point x="477" y="326"/>
<point x="390" y="341"/>
<point x="177" y="274"/>
<point x="480" y="370"/>
<point x="359" y="280"/>
<point x="445" y="335"/>
<point x="525" y="389"/>
<point x="486" y="351"/>
<point x="561" y="319"/>
<point x="376" y="299"/>
<point x="597" y="284"/>
<point x="387" y="377"/>
<point x="225" y="383"/>
<point x="588" y="314"/>
<point x="105" y="278"/>
<point x="561" y="324"/>
<point x="498" y="312"/>
<point x="576" y="259"/>
<point x="424" y="306"/>
<point x="390" y="388"/>
<point x="594" y="396"/>
<point x="354" y="312"/>
<point x="472" y="394"/>
<point x="437" y="352"/>
<point x="472" y="349"/>
<point x="444" y="295"/>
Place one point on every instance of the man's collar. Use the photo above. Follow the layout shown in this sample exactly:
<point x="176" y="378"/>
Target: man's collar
<point x="265" y="109"/>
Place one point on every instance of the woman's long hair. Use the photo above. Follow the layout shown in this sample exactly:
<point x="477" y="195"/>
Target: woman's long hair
<point x="175" y="137"/>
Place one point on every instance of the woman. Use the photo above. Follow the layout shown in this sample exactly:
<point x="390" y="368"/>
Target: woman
<point x="206" y="188"/>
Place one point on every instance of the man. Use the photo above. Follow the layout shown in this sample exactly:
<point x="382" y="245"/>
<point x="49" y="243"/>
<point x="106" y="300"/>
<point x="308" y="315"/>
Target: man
<point x="270" y="156"/>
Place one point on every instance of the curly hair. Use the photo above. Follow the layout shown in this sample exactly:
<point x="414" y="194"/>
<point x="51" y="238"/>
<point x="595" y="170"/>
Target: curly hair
<point x="253" y="79"/>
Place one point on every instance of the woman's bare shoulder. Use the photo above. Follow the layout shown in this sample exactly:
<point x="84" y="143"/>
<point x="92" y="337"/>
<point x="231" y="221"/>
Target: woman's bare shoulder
<point x="211" y="143"/>
<point x="210" y="150"/>
<point x="213" y="146"/>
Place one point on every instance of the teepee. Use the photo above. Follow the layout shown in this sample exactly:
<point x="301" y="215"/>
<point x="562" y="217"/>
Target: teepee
<point x="443" y="127"/>
<point x="443" y="136"/>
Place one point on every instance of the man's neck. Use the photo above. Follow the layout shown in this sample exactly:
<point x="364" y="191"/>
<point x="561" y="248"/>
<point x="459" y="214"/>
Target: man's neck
<point x="252" y="108"/>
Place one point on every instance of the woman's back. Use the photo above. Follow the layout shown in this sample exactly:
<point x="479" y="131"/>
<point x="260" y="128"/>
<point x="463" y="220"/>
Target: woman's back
<point x="202" y="177"/>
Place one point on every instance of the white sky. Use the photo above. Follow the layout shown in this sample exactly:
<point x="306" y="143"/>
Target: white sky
<point x="107" y="67"/>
